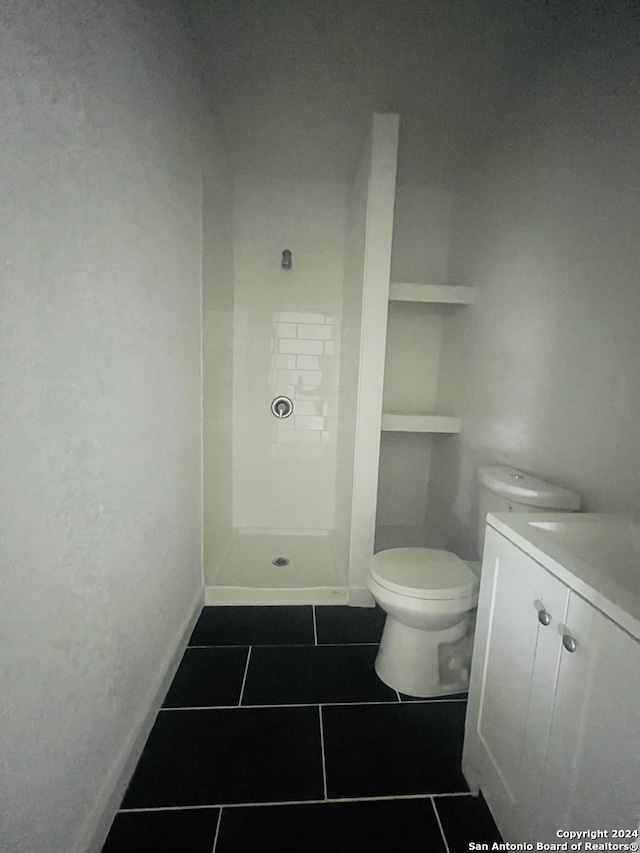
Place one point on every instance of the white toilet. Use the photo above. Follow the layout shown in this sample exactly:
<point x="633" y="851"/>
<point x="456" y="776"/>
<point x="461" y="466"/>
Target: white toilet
<point x="430" y="596"/>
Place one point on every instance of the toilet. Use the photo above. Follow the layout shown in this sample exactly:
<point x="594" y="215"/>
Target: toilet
<point x="430" y="596"/>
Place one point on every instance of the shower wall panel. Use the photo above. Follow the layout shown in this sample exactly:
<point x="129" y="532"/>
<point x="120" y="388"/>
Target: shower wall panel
<point x="286" y="341"/>
<point x="350" y="352"/>
<point x="379" y="160"/>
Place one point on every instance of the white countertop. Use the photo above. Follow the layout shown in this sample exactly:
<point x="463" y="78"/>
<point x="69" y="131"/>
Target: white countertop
<point x="595" y="554"/>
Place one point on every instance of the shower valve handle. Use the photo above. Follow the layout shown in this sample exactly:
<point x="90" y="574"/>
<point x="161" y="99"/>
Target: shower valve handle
<point x="282" y="407"/>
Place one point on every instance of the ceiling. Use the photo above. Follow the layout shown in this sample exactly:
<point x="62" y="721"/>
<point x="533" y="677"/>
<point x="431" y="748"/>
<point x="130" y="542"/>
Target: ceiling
<point x="293" y="83"/>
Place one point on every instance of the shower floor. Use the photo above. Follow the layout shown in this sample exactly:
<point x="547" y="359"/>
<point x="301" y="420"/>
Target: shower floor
<point x="277" y="735"/>
<point x="247" y="574"/>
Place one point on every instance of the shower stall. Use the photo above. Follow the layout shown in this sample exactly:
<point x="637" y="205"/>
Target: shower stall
<point x="295" y="306"/>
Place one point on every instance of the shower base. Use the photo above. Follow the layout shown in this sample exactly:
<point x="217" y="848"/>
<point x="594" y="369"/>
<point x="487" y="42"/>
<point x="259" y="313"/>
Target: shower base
<point x="239" y="595"/>
<point x="251" y="570"/>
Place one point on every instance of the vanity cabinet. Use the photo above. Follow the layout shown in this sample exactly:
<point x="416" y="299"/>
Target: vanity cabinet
<point x="553" y="723"/>
<point x="592" y="774"/>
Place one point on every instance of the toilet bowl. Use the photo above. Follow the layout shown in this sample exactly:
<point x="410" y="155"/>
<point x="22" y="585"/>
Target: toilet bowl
<point x="429" y="597"/>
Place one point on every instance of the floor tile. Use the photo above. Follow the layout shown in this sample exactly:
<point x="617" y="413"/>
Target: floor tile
<point x="186" y="830"/>
<point x="466" y="819"/>
<point x="239" y="755"/>
<point x="402" y="748"/>
<point x="377" y="827"/>
<point x="208" y="677"/>
<point x="307" y="674"/>
<point x="343" y="624"/>
<point x="247" y="626"/>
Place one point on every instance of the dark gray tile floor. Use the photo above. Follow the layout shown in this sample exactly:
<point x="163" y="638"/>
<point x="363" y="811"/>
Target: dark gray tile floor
<point x="276" y="734"/>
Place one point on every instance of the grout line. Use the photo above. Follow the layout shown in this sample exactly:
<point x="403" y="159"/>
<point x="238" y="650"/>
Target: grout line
<point x="151" y="809"/>
<point x="215" y="840"/>
<point x="444" y="837"/>
<point x="244" y="678"/>
<point x="201" y="406"/>
<point x="278" y="645"/>
<point x="239" y="707"/>
<point x="324" y="761"/>
<point x="268" y="804"/>
<point x="398" y="695"/>
<point x="315" y="626"/>
<point x="390" y="702"/>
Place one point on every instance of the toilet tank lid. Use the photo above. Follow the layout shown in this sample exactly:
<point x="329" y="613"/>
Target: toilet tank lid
<point x="522" y="487"/>
<point x="423" y="573"/>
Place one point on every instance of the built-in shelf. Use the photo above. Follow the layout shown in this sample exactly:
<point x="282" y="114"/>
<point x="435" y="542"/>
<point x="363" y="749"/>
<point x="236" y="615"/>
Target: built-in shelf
<point x="443" y="294"/>
<point x="419" y="423"/>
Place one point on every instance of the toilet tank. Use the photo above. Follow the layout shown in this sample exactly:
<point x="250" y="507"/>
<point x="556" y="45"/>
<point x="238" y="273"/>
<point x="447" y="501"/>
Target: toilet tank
<point x="504" y="489"/>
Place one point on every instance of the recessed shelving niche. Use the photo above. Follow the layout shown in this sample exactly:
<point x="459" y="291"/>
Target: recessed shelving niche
<point x="412" y="424"/>
<point x="415" y="328"/>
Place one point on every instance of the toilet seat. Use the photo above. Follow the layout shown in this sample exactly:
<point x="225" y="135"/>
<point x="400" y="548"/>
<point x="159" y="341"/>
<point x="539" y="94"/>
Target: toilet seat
<point x="424" y="573"/>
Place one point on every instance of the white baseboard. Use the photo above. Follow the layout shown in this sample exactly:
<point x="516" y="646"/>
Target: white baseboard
<point x="108" y="802"/>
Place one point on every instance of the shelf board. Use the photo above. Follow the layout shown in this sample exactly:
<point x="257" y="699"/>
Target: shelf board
<point x="443" y="294"/>
<point x="392" y="422"/>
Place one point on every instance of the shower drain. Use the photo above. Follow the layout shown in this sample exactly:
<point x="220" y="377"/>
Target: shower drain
<point x="280" y="562"/>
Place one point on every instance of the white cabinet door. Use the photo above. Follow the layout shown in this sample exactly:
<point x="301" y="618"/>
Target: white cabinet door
<point x="512" y="684"/>
<point x="592" y="777"/>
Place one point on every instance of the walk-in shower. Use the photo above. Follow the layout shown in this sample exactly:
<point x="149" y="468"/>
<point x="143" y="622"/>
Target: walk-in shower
<point x="285" y="392"/>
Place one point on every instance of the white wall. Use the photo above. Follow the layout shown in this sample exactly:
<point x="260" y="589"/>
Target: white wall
<point x="421" y="230"/>
<point x="544" y="369"/>
<point x="298" y="80"/>
<point x="100" y="245"/>
<point x="217" y="301"/>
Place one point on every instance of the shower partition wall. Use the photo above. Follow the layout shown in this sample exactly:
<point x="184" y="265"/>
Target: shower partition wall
<point x="285" y="497"/>
<point x="366" y="306"/>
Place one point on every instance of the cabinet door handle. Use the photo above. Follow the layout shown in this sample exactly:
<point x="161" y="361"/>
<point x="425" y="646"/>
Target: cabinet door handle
<point x="569" y="643"/>
<point x="543" y="617"/>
